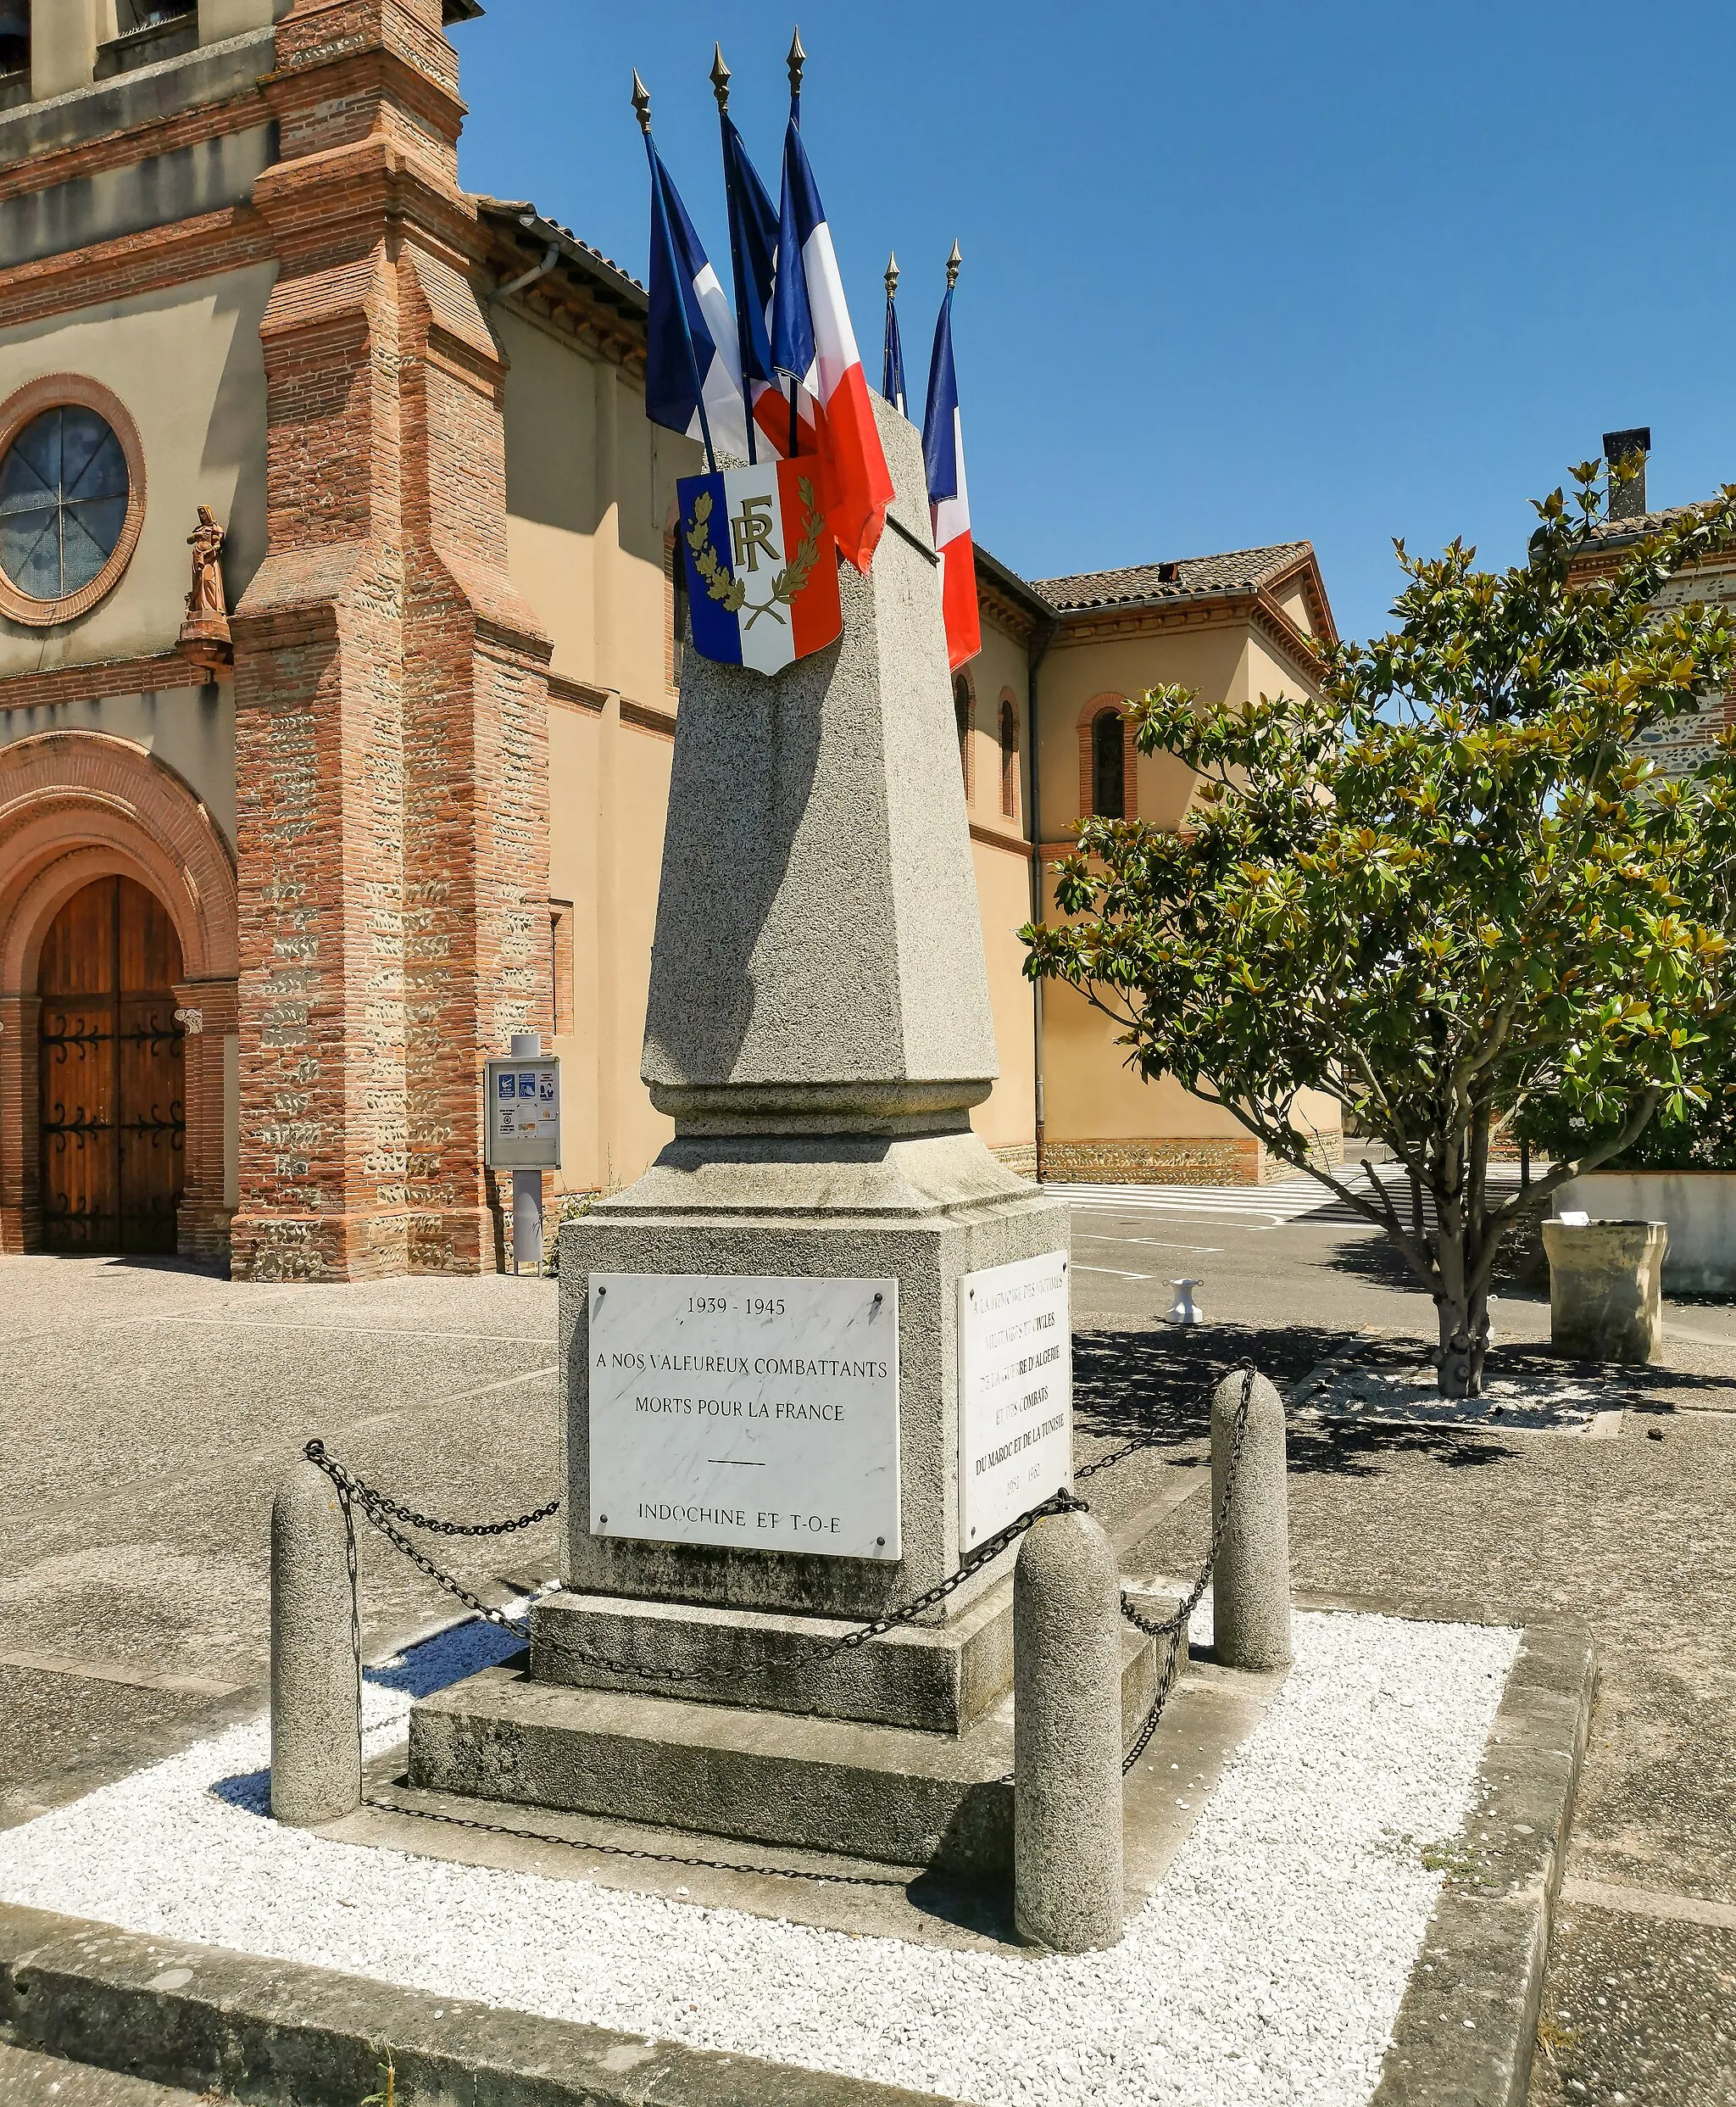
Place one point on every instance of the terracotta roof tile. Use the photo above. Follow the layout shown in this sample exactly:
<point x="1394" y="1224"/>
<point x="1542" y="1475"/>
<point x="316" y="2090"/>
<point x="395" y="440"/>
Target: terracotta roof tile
<point x="1237" y="571"/>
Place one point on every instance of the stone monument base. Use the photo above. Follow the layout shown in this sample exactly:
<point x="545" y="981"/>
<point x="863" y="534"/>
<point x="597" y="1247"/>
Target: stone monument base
<point x="897" y="1794"/>
<point x="899" y="1749"/>
<point x="774" y="1771"/>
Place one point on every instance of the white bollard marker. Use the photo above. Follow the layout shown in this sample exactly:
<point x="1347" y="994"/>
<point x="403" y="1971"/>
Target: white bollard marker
<point x="316" y="1736"/>
<point x="1184" y="1310"/>
<point x="1067" y="1878"/>
<point x="1251" y="1585"/>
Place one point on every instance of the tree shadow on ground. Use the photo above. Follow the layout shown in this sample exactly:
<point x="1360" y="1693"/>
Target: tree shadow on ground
<point x="1377" y="1260"/>
<point x="1151" y="1390"/>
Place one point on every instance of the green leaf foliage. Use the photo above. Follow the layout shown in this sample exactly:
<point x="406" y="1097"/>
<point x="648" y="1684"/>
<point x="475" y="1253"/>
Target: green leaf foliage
<point x="1447" y="889"/>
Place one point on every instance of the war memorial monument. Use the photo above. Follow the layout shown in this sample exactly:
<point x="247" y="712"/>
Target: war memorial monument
<point x="821" y="1351"/>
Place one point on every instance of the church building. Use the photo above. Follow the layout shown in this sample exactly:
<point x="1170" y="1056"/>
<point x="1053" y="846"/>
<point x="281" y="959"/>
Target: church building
<point x="341" y="657"/>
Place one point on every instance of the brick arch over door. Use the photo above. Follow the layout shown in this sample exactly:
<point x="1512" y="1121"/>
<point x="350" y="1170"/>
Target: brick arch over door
<point x="75" y="806"/>
<point x="1100" y="707"/>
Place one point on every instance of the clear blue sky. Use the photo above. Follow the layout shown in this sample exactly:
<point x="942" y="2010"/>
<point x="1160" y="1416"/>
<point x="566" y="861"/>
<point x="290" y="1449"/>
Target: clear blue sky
<point x="1232" y="274"/>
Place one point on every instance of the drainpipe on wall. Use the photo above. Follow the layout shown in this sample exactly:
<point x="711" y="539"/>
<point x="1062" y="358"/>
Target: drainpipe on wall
<point x="1034" y="659"/>
<point x="551" y="258"/>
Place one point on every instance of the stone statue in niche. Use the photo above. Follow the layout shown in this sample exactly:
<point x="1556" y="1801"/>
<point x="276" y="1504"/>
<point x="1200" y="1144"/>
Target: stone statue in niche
<point x="204" y="635"/>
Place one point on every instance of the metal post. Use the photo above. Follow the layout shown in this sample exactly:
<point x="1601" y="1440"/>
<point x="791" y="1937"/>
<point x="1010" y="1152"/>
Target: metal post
<point x="526" y="1185"/>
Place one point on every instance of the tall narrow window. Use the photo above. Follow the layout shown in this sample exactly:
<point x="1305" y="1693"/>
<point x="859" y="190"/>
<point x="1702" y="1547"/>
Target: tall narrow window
<point x="1009" y="760"/>
<point x="963" y="710"/>
<point x="1109" y="785"/>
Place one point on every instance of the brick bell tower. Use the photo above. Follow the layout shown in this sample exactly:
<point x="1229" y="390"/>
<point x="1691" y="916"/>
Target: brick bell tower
<point x="391" y="686"/>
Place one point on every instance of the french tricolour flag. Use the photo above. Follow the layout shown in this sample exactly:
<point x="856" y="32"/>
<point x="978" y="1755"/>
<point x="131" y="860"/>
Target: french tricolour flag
<point x="693" y="374"/>
<point x="812" y="339"/>
<point x="948" y="502"/>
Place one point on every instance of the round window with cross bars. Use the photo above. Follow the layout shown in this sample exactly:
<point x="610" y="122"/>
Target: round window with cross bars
<point x="71" y="499"/>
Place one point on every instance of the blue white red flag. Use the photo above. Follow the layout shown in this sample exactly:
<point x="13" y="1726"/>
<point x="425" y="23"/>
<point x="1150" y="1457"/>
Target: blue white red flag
<point x="692" y="372"/>
<point x="892" y="382"/>
<point x="813" y="340"/>
<point x="948" y="502"/>
<point x="753" y="248"/>
<point x="761" y="564"/>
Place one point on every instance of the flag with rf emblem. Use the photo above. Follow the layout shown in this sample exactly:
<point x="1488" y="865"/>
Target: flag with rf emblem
<point x="762" y="564"/>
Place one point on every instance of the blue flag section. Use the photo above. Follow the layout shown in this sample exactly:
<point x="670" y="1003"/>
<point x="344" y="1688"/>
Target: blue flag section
<point x="892" y="384"/>
<point x="761" y="563"/>
<point x="940" y="455"/>
<point x="800" y="213"/>
<point x="753" y="250"/>
<point x="692" y="381"/>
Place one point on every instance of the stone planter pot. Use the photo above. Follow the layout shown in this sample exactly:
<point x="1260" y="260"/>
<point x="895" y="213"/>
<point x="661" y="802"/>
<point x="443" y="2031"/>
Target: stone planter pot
<point x="1606" y="1281"/>
<point x="1698" y="1208"/>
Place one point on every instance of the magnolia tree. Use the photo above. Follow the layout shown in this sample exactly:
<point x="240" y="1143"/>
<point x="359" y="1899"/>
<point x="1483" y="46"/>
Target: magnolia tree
<point x="1450" y="886"/>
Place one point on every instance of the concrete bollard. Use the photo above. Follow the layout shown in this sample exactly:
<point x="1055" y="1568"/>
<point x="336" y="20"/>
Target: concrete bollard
<point x="1067" y="1880"/>
<point x="316" y="1741"/>
<point x="1250" y="1588"/>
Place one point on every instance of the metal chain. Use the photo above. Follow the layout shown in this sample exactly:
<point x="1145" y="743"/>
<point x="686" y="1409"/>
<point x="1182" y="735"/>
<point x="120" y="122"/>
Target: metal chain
<point x="631" y="1850"/>
<point x="1173" y="1626"/>
<point x="355" y="1615"/>
<point x="376" y="1508"/>
<point x="315" y="1454"/>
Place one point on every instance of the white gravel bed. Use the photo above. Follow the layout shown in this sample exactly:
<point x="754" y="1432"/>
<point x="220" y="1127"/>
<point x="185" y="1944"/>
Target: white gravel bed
<point x="1269" y="1967"/>
<point x="1550" y="1403"/>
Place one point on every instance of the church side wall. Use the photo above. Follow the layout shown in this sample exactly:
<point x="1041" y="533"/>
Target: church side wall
<point x="1007" y="1118"/>
<point x="590" y="484"/>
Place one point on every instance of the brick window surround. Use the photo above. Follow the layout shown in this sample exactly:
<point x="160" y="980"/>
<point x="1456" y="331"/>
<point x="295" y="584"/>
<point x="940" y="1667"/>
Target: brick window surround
<point x="1009" y="756"/>
<point x="1101" y="706"/>
<point x="60" y="391"/>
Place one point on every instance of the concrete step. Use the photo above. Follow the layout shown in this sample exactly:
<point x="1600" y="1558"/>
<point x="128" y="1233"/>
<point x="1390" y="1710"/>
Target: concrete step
<point x="29" y="2078"/>
<point x="894" y="1794"/>
<point x="942" y="1677"/>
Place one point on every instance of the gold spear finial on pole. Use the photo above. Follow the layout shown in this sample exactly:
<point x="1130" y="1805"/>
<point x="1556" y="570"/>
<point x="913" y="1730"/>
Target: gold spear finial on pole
<point x="719" y="77"/>
<point x="952" y="267"/>
<point x="891" y="275"/>
<point x="798" y="60"/>
<point x="641" y="102"/>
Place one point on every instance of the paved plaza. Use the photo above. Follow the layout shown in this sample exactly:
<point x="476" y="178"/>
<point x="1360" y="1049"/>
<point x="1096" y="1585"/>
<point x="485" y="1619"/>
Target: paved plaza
<point x="151" y="1408"/>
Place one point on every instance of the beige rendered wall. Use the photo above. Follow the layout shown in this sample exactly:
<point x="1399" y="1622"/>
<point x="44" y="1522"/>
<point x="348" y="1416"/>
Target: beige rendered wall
<point x="188" y="366"/>
<point x="1007" y="1118"/>
<point x="1090" y="1092"/>
<point x="590" y="484"/>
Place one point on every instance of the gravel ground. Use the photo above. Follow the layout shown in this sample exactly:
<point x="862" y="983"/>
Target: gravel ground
<point x="1269" y="1968"/>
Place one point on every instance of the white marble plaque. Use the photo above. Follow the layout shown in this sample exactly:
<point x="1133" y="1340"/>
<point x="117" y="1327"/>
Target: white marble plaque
<point x="745" y="1410"/>
<point x="1015" y="1392"/>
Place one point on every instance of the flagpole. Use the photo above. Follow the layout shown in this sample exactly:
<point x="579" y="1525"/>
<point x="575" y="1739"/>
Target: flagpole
<point x="892" y="294"/>
<point x="797" y="59"/>
<point x="642" y="106"/>
<point x="720" y="88"/>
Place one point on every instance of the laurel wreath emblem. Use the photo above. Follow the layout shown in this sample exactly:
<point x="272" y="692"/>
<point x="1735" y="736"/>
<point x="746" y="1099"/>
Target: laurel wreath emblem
<point x="789" y="582"/>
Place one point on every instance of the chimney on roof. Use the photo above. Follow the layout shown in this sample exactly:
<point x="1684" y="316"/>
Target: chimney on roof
<point x="1628" y="499"/>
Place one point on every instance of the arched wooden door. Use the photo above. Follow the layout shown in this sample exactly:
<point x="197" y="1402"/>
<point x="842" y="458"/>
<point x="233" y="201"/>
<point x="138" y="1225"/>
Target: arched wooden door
<point x="113" y="1119"/>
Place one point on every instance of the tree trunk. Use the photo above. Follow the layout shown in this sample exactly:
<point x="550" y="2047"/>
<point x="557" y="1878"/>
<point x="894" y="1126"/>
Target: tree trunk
<point x="1461" y="1299"/>
<point x="1463" y="1330"/>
